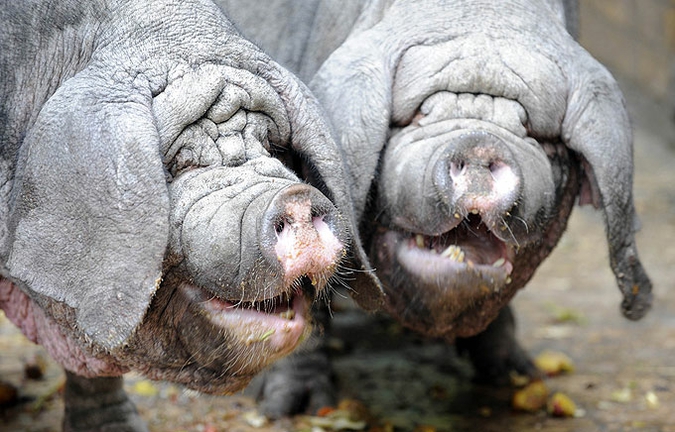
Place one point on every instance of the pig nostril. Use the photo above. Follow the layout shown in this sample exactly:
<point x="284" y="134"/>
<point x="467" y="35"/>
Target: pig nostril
<point x="279" y="227"/>
<point x="498" y="170"/>
<point x="456" y="168"/>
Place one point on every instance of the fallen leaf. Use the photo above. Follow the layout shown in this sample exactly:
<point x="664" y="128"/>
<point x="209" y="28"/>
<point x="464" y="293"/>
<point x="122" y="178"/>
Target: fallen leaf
<point x="357" y="410"/>
<point x="566" y="315"/>
<point x="622" y="396"/>
<point x="424" y="428"/>
<point x="324" y="411"/>
<point x="652" y="400"/>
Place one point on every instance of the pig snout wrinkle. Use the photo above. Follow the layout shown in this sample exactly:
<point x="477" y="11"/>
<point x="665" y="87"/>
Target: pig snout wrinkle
<point x="305" y="240"/>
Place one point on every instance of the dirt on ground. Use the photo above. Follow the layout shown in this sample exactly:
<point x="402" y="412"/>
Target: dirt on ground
<point x="623" y="376"/>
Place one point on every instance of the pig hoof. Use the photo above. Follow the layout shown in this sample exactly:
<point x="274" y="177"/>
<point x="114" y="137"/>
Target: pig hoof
<point x="497" y="370"/>
<point x="496" y="354"/>
<point x="300" y="383"/>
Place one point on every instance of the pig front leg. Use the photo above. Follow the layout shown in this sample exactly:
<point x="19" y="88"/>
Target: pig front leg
<point x="99" y="404"/>
<point x="495" y="353"/>
<point x="303" y="381"/>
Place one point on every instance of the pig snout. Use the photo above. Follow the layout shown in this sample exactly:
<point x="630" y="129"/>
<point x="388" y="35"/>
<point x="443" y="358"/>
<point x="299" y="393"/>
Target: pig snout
<point x="477" y="174"/>
<point x="459" y="200"/>
<point x="246" y="238"/>
<point x="301" y="227"/>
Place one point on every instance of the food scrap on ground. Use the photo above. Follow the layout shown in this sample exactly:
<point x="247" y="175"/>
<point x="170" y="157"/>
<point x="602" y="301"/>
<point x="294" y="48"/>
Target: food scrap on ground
<point x="554" y="363"/>
<point x="531" y="398"/>
<point x="560" y="405"/>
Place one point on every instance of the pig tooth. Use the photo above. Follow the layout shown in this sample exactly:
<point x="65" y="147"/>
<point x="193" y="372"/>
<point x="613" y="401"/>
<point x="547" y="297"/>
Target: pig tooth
<point x="449" y="251"/>
<point x="454" y="253"/>
<point x="508" y="280"/>
<point x="474" y="211"/>
<point x="419" y="240"/>
<point x="469" y="263"/>
<point x="500" y="262"/>
<point x="457" y="216"/>
<point x="288" y="315"/>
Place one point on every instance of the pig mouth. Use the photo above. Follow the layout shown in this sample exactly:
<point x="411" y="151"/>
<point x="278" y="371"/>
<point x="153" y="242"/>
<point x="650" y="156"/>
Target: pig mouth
<point x="467" y="256"/>
<point x="276" y="323"/>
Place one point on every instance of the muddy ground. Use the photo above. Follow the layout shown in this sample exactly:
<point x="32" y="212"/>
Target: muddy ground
<point x="624" y="376"/>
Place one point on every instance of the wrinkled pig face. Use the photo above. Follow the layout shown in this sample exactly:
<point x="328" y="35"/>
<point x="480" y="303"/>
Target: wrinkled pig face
<point x="250" y="246"/>
<point x="468" y="205"/>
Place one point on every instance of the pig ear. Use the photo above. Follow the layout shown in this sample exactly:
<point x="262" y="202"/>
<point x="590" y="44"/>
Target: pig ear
<point x="597" y="126"/>
<point x="324" y="167"/>
<point x="354" y="85"/>
<point x="89" y="222"/>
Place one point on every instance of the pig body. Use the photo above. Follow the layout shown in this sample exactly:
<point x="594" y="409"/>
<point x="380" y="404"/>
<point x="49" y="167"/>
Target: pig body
<point x="471" y="128"/>
<point x="154" y="207"/>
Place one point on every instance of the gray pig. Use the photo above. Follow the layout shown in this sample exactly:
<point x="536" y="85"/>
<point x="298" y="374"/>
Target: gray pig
<point x="470" y="128"/>
<point x="153" y="213"/>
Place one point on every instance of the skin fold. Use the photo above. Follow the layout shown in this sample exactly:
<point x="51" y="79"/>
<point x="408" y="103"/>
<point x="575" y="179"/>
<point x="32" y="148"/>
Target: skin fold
<point x="157" y="211"/>
<point x="470" y="128"/>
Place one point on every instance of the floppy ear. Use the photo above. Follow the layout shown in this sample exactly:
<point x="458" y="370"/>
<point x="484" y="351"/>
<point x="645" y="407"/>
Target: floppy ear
<point x="89" y="221"/>
<point x="597" y="126"/>
<point x="354" y="86"/>
<point x="324" y="167"/>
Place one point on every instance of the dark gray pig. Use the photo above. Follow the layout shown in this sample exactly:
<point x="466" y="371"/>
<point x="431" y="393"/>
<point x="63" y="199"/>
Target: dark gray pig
<point x="471" y="128"/>
<point x="153" y="213"/>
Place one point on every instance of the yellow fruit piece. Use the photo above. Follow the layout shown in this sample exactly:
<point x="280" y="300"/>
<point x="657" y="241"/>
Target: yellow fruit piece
<point x="554" y="363"/>
<point x="560" y="405"/>
<point x="531" y="398"/>
<point x="145" y="388"/>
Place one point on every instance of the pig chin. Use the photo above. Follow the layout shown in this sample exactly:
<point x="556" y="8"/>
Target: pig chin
<point x="431" y="280"/>
<point x="214" y="345"/>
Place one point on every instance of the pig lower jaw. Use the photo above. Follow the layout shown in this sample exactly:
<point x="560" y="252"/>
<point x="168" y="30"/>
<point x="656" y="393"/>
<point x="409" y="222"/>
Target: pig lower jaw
<point x="277" y="328"/>
<point x="482" y="262"/>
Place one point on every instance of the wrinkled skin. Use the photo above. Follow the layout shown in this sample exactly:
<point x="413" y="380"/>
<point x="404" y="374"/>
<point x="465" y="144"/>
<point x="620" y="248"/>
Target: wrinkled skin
<point x="154" y="207"/>
<point x="470" y="128"/>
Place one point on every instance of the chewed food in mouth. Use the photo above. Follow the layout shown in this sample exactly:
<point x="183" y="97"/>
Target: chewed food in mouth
<point x="470" y="250"/>
<point x="279" y="322"/>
